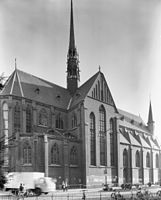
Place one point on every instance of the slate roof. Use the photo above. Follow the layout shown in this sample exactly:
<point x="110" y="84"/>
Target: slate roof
<point x="131" y="116"/>
<point x="31" y="87"/>
<point x="83" y="90"/>
<point x="138" y="124"/>
<point x="123" y="139"/>
<point x="37" y="89"/>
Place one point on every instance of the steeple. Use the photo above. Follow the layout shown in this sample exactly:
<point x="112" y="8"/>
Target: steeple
<point x="150" y="120"/>
<point x="71" y="39"/>
<point x="72" y="59"/>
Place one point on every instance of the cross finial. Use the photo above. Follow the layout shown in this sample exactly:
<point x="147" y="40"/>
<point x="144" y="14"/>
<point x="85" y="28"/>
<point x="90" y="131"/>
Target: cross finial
<point x="15" y="63"/>
<point x="99" y="68"/>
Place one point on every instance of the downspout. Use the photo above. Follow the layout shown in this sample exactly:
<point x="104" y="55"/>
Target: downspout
<point x="46" y="155"/>
<point x="142" y="165"/>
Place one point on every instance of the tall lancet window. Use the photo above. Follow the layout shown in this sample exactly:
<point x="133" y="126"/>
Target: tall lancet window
<point x="73" y="156"/>
<point x="17" y="117"/>
<point x="148" y="159"/>
<point x="102" y="134"/>
<point x="55" y="155"/>
<point x="59" y="122"/>
<point x="43" y="117"/>
<point x="92" y="140"/>
<point x="137" y="159"/>
<point x="27" y="155"/>
<point x="125" y="158"/>
<point x="157" y="160"/>
<point x="4" y="146"/>
<point x="28" y="119"/>
<point x="74" y="121"/>
<point x="112" y="129"/>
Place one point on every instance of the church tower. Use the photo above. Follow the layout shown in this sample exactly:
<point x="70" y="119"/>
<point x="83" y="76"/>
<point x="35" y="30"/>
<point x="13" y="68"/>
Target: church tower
<point x="72" y="59"/>
<point x="150" y="120"/>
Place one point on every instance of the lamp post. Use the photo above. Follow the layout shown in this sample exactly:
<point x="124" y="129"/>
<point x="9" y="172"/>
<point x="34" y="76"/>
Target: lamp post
<point x="100" y="135"/>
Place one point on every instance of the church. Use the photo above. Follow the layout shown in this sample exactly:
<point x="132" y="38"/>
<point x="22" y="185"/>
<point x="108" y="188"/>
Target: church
<point x="77" y="133"/>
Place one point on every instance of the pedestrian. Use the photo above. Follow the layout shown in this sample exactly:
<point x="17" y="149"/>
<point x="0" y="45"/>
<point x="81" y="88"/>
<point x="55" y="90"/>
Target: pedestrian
<point x="21" y="191"/>
<point x="66" y="185"/>
<point x="84" y="195"/>
<point x="63" y="186"/>
<point x="21" y="188"/>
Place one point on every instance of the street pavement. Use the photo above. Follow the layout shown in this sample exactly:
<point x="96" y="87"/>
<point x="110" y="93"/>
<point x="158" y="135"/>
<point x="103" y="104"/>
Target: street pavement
<point x="90" y="194"/>
<point x="77" y="194"/>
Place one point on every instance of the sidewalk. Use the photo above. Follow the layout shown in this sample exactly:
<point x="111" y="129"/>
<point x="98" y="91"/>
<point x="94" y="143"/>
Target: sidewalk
<point x="80" y="190"/>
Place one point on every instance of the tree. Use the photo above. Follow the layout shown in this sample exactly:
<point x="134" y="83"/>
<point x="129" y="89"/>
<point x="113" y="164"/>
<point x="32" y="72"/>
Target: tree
<point x="5" y="144"/>
<point x="2" y="80"/>
<point x="3" y="179"/>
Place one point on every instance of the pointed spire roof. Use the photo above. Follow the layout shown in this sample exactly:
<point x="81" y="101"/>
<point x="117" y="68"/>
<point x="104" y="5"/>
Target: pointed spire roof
<point x="71" y="39"/>
<point x="150" y="116"/>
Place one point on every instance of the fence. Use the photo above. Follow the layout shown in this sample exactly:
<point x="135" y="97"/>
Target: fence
<point x="84" y="195"/>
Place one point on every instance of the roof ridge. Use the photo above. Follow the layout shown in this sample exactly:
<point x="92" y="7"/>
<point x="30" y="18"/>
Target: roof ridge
<point x="129" y="113"/>
<point x="14" y="76"/>
<point x="47" y="82"/>
<point x="89" y="79"/>
<point x="19" y="82"/>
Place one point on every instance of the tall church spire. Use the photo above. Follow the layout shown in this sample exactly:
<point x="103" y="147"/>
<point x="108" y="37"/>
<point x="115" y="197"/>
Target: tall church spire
<point x="71" y="39"/>
<point x="72" y="59"/>
<point x="150" y="120"/>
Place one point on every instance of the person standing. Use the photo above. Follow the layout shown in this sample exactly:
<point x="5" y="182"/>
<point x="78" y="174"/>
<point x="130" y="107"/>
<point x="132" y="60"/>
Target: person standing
<point x="63" y="186"/>
<point x="66" y="185"/>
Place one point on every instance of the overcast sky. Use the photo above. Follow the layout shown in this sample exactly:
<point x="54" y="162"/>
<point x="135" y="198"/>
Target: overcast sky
<point x="123" y="37"/>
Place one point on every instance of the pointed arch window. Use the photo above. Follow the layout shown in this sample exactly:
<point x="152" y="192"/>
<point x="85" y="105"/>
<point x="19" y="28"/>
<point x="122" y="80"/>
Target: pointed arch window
<point x="59" y="122"/>
<point x="102" y="89"/>
<point x="125" y="158"/>
<point x="112" y="147"/>
<point x="148" y="159"/>
<point x="55" y="157"/>
<point x="5" y="116"/>
<point x="157" y="160"/>
<point x="98" y="90"/>
<point x="92" y="139"/>
<point x="102" y="133"/>
<point x="137" y="159"/>
<point x="27" y="157"/>
<point x="74" y="121"/>
<point x="73" y="156"/>
<point x="4" y="142"/>
<point x="28" y="119"/>
<point x="17" y="117"/>
<point x="43" y="117"/>
<point x="105" y="92"/>
<point x="94" y="93"/>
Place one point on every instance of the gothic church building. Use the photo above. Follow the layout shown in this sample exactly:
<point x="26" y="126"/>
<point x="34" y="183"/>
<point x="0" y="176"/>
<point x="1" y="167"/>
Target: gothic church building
<point x="76" y="133"/>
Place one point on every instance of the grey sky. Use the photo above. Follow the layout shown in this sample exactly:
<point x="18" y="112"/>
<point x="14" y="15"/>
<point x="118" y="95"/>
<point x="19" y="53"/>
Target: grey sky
<point x="123" y="37"/>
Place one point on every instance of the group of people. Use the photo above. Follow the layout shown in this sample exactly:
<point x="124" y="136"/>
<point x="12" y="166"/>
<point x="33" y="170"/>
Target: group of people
<point x="64" y="186"/>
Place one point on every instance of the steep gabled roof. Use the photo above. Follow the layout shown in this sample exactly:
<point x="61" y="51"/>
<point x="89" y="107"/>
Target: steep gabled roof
<point x="133" y="140"/>
<point x="123" y="139"/>
<point x="133" y="122"/>
<point x="31" y="87"/>
<point x="131" y="116"/>
<point x="83" y="90"/>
